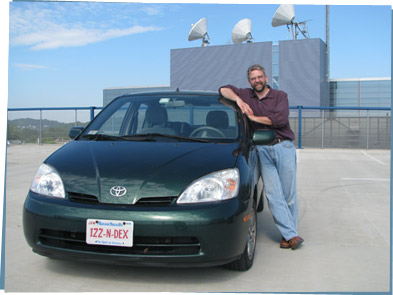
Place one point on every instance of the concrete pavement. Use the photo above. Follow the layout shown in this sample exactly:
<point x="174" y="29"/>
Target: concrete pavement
<point x="344" y="217"/>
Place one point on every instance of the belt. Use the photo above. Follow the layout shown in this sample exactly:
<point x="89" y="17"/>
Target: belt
<point x="278" y="140"/>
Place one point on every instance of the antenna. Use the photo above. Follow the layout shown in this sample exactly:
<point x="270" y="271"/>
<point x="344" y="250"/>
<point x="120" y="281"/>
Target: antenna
<point x="242" y="31"/>
<point x="285" y="15"/>
<point x="199" y="31"/>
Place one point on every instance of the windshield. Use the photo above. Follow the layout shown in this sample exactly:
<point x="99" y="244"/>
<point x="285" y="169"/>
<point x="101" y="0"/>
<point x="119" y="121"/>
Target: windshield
<point x="175" y="116"/>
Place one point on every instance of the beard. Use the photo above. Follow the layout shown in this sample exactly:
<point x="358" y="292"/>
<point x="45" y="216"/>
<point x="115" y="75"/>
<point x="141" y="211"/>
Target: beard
<point x="259" y="87"/>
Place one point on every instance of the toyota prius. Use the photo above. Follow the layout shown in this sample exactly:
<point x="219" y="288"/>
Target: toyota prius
<point x="155" y="179"/>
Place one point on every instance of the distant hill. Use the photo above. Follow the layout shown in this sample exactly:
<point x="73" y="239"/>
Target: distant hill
<point x="34" y="123"/>
<point x="27" y="130"/>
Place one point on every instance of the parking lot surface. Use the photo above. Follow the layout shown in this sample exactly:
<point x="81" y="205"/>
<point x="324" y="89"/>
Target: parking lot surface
<point x="344" y="218"/>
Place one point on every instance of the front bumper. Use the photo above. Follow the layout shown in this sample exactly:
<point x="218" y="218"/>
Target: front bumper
<point x="197" y="235"/>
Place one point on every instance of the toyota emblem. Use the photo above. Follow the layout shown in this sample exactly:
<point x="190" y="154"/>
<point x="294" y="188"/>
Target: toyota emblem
<point x="118" y="191"/>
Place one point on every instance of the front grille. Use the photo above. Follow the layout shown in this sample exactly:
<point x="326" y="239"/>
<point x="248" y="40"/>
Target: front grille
<point x="144" y="202"/>
<point x="159" y="201"/>
<point x="142" y="245"/>
<point x="83" y="198"/>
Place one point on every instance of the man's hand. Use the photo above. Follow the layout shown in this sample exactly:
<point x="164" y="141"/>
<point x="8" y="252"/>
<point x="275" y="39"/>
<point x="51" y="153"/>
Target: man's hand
<point x="229" y="94"/>
<point x="245" y="108"/>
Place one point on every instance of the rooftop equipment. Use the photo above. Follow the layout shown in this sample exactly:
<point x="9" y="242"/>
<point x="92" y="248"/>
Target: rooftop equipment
<point x="199" y="31"/>
<point x="285" y="15"/>
<point x="242" y="31"/>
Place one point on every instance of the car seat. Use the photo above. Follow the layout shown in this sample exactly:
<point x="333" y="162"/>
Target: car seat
<point x="156" y="119"/>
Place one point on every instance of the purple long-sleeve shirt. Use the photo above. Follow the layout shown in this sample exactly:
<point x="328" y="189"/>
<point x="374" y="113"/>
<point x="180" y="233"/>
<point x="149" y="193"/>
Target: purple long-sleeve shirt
<point x="274" y="106"/>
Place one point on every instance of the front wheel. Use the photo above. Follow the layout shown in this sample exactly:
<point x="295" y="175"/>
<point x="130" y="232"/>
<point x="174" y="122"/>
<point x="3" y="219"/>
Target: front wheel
<point x="247" y="258"/>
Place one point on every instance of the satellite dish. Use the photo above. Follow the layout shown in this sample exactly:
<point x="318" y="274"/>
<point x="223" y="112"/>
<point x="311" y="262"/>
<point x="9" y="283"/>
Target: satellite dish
<point x="242" y="31"/>
<point x="199" y="31"/>
<point x="285" y="15"/>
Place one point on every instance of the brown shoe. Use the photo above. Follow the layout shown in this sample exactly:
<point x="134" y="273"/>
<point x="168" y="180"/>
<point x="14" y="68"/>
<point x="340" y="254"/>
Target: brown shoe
<point x="295" y="242"/>
<point x="284" y="244"/>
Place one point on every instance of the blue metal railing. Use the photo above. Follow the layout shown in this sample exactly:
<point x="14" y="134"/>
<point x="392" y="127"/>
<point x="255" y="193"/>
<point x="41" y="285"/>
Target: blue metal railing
<point x="300" y="116"/>
<point x="92" y="109"/>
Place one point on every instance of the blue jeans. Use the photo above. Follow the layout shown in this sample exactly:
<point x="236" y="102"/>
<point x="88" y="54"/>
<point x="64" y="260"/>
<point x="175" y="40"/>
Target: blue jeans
<point x="278" y="166"/>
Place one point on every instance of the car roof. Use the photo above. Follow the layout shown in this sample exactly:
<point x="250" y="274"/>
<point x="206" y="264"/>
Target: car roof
<point x="173" y="92"/>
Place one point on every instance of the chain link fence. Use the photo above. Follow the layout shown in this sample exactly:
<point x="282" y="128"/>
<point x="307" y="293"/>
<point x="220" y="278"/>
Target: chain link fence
<point x="353" y="128"/>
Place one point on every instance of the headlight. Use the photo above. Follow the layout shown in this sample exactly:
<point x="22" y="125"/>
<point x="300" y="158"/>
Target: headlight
<point x="217" y="186"/>
<point x="47" y="182"/>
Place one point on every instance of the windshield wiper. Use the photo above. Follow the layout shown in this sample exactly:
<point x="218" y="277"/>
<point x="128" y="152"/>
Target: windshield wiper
<point x="139" y="137"/>
<point x="100" y="136"/>
<point x="152" y="136"/>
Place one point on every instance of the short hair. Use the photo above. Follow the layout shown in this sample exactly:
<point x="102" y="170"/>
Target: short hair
<point x="253" y="68"/>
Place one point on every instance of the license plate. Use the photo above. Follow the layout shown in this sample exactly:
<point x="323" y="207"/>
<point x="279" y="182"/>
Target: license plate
<point x="109" y="232"/>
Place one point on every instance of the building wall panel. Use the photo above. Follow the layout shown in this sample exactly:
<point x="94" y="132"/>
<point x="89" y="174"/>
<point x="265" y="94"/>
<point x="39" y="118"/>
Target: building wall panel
<point x="209" y="67"/>
<point x="302" y="72"/>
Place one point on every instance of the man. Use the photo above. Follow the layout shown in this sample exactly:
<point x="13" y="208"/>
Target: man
<point x="268" y="109"/>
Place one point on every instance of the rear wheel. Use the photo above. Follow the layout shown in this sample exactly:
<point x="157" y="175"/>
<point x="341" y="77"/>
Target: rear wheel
<point x="261" y="204"/>
<point x="247" y="258"/>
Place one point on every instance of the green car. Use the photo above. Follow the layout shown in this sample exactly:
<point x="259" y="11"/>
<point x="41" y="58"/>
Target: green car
<point x="156" y="179"/>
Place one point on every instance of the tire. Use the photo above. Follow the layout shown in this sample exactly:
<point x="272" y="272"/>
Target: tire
<point x="261" y="204"/>
<point x="246" y="260"/>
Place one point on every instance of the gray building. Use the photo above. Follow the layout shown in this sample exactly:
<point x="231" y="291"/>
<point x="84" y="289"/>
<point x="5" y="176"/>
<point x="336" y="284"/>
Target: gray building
<point x="297" y="66"/>
<point x="110" y="93"/>
<point x="303" y="72"/>
<point x="366" y="92"/>
<point x="209" y="67"/>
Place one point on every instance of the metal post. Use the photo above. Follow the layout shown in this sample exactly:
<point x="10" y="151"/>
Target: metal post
<point x="40" y="138"/>
<point x="368" y="128"/>
<point x="327" y="31"/>
<point x="76" y="117"/>
<point x="323" y="128"/>
<point x="300" y="127"/>
<point x="92" y="113"/>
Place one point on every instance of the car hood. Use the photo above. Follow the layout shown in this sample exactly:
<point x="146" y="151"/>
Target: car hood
<point x="144" y="169"/>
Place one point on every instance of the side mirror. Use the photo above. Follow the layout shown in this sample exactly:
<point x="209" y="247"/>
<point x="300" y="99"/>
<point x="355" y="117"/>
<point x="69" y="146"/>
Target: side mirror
<point x="264" y="137"/>
<point x="75" y="131"/>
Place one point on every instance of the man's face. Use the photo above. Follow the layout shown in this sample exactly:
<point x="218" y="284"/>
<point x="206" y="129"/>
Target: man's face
<point x="257" y="80"/>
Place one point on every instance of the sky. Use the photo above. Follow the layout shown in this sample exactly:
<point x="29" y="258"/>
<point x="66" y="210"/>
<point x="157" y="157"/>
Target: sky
<point x="64" y="54"/>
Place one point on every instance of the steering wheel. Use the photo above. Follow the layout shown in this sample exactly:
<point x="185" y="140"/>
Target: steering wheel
<point x="206" y="129"/>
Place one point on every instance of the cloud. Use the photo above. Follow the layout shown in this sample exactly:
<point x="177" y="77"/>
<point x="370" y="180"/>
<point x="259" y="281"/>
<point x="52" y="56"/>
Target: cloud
<point x="28" y="67"/>
<point x="44" y="26"/>
<point x="65" y="37"/>
<point x="152" y="10"/>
